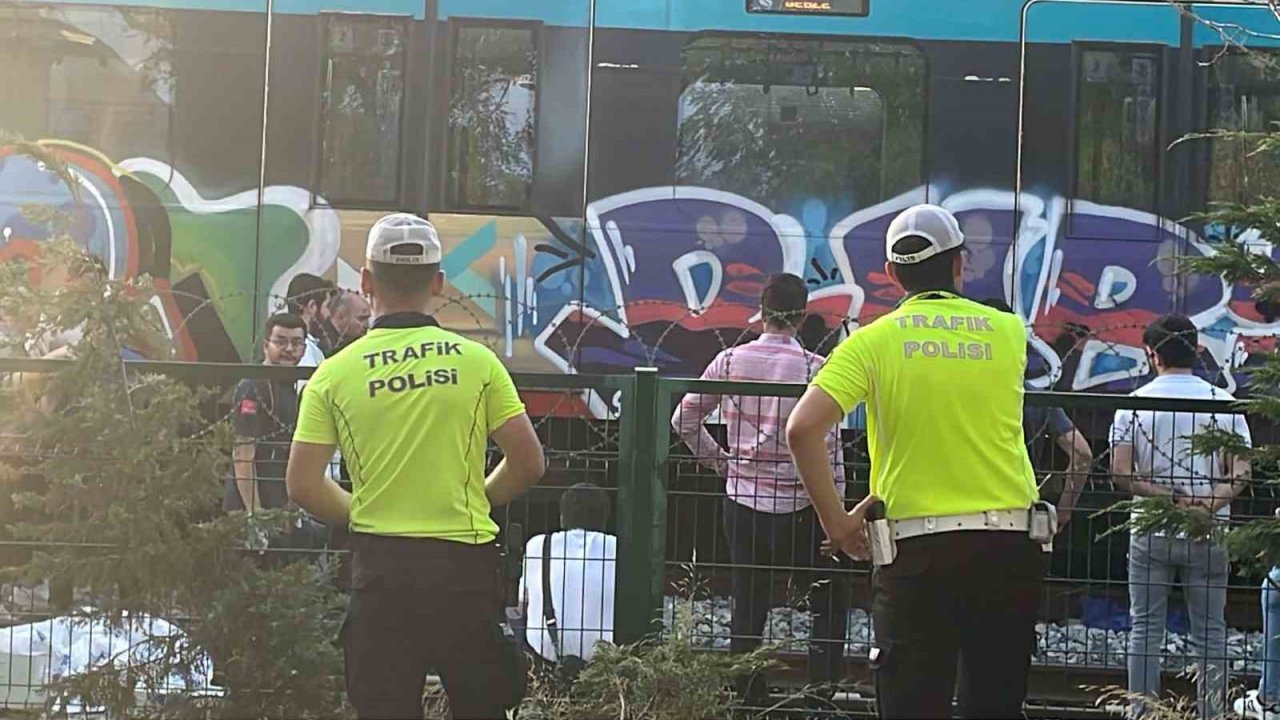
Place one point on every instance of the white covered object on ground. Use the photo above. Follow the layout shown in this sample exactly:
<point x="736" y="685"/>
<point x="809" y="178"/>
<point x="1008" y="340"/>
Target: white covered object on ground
<point x="34" y="654"/>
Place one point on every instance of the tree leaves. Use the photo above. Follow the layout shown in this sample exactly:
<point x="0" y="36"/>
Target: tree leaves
<point x="116" y="479"/>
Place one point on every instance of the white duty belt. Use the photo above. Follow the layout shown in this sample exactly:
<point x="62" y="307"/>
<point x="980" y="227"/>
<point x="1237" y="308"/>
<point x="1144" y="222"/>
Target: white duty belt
<point x="1000" y="520"/>
<point x="1014" y="520"/>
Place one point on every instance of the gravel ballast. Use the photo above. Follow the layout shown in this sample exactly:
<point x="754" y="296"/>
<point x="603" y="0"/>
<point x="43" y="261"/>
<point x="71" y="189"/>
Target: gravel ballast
<point x="1068" y="644"/>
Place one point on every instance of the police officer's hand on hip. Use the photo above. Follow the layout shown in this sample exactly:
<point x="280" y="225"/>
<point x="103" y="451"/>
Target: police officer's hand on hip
<point x="952" y="524"/>
<point x="412" y="407"/>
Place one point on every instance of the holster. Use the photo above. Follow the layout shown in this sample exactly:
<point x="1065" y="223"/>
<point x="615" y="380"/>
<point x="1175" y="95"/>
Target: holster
<point x="884" y="546"/>
<point x="1044" y="524"/>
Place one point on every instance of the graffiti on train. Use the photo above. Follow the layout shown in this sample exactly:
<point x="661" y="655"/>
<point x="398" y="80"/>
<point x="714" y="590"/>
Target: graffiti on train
<point x="662" y="276"/>
<point x="142" y="217"/>
<point x="670" y="275"/>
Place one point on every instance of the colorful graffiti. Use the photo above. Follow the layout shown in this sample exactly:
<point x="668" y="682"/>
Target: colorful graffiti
<point x="663" y="276"/>
<point x="212" y="261"/>
<point x="668" y="276"/>
<point x="109" y="212"/>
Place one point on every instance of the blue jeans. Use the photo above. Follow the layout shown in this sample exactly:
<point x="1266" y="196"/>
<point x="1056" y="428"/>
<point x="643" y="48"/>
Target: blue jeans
<point x="1153" y="563"/>
<point x="1269" y="688"/>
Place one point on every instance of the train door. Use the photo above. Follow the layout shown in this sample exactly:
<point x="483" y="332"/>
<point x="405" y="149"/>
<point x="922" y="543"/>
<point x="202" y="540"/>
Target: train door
<point x="1101" y="99"/>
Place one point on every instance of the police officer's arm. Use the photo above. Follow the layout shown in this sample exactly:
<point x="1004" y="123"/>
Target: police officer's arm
<point x="522" y="463"/>
<point x="842" y="383"/>
<point x="314" y="441"/>
<point x="311" y="488"/>
<point x="814" y="416"/>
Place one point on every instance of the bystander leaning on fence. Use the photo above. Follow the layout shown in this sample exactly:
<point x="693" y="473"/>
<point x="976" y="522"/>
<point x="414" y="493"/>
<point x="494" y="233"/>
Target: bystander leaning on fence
<point x="959" y="554"/>
<point x="768" y="521"/>
<point x="412" y="407"/>
<point x="1152" y="455"/>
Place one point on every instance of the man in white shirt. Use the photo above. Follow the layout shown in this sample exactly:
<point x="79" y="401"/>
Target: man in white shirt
<point x="583" y="564"/>
<point x="1152" y="456"/>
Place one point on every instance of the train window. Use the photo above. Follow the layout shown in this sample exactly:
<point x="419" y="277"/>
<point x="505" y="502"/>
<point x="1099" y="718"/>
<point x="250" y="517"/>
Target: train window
<point x="787" y="121"/>
<point x="361" y="109"/>
<point x="100" y="76"/>
<point x="1244" y="95"/>
<point x="492" y="106"/>
<point x="1117" y="128"/>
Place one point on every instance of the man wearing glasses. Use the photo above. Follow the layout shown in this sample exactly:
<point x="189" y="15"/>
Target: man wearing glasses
<point x="264" y="414"/>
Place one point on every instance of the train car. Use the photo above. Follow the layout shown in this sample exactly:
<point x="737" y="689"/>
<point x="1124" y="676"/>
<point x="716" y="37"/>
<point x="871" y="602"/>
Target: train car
<point x="613" y="178"/>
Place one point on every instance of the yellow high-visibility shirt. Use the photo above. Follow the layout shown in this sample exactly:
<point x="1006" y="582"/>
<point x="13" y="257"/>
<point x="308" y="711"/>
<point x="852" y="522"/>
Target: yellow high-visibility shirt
<point x="412" y="409"/>
<point x="942" y="379"/>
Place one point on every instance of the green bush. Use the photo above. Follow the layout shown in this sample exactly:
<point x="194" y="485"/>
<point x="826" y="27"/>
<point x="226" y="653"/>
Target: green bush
<point x="114" y="482"/>
<point x="662" y="679"/>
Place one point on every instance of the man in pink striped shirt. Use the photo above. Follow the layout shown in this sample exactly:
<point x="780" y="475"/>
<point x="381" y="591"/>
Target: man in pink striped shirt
<point x="768" y="520"/>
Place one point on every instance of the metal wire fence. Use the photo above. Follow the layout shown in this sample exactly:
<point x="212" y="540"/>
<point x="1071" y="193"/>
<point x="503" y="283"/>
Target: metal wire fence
<point x="681" y="505"/>
<point x="760" y="527"/>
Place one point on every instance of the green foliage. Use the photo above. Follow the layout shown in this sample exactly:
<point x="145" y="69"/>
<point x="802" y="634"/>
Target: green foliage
<point x="1222" y="441"/>
<point x="1162" y="514"/>
<point x="1255" y="546"/>
<point x="1233" y="260"/>
<point x="22" y="146"/>
<point x="667" y="677"/>
<point x="664" y="679"/>
<point x="115" y="483"/>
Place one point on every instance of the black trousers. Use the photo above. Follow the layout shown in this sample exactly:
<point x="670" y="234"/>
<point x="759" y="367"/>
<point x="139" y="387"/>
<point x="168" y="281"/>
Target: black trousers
<point x="764" y="546"/>
<point x="418" y="604"/>
<point x="967" y="599"/>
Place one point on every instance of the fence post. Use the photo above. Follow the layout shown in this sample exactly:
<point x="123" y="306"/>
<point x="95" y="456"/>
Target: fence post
<point x="642" y="507"/>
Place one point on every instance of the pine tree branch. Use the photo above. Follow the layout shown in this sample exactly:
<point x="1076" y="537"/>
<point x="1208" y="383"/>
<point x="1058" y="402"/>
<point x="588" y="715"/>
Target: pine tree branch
<point x="41" y="154"/>
<point x="1149" y="515"/>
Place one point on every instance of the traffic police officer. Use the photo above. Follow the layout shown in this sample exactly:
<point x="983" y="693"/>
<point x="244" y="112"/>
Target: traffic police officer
<point x="959" y="551"/>
<point x="412" y="406"/>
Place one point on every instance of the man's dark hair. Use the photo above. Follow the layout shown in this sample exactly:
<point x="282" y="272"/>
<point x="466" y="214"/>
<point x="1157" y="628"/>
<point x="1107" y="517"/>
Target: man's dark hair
<point x="404" y="280"/>
<point x="1174" y="339"/>
<point x="812" y="333"/>
<point x="584" y="506"/>
<point x="999" y="304"/>
<point x="783" y="300"/>
<point x="288" y="321"/>
<point x="306" y="288"/>
<point x="932" y="274"/>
